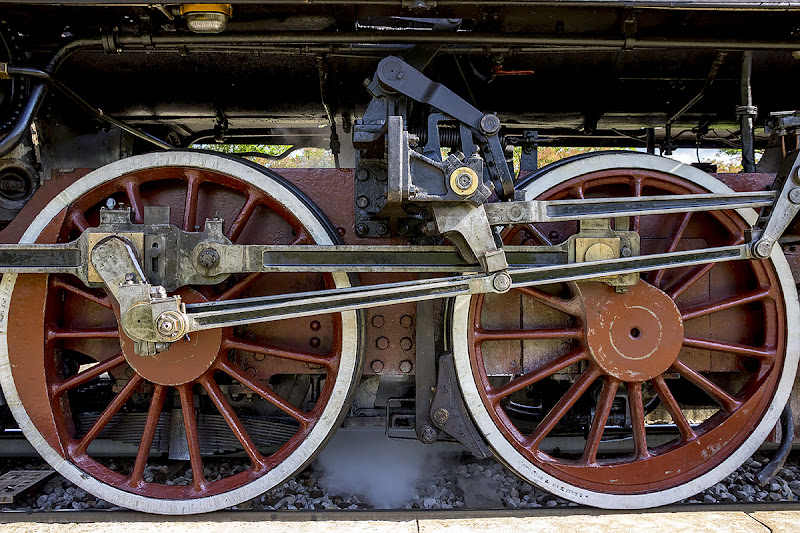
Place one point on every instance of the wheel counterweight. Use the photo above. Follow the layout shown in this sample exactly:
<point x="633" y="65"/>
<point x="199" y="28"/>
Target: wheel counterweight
<point x="60" y="344"/>
<point x="667" y="388"/>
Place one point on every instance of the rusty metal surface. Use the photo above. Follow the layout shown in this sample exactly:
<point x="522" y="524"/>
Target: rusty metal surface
<point x="633" y="336"/>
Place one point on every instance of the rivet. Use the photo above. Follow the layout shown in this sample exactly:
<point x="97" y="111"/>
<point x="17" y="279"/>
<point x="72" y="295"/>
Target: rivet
<point x="315" y="325"/>
<point x="314" y="342"/>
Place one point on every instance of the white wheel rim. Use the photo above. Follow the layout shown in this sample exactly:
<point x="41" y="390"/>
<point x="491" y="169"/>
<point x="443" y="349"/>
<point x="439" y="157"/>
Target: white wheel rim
<point x="527" y="470"/>
<point x="324" y="426"/>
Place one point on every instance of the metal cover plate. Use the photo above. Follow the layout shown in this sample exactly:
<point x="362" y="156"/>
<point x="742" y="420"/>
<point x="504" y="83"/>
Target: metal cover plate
<point x="15" y="482"/>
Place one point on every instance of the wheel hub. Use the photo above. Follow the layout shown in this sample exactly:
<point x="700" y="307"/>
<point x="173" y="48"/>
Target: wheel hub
<point x="184" y="361"/>
<point x="633" y="336"/>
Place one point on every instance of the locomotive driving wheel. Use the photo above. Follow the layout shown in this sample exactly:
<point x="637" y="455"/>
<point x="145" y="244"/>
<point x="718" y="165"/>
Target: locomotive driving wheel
<point x="71" y="377"/>
<point x="639" y="398"/>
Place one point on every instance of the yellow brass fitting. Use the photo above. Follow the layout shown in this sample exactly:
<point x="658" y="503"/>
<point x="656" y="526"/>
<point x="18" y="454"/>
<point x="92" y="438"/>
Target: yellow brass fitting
<point x="226" y="9"/>
<point x="464" y="181"/>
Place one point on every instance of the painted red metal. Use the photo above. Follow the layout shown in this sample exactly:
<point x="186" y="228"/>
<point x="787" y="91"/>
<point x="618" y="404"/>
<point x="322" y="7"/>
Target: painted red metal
<point x="734" y="321"/>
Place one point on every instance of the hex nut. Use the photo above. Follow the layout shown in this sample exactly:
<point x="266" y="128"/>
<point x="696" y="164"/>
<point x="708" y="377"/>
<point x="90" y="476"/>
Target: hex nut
<point x="406" y="366"/>
<point x="208" y="258"/>
<point x="426" y="434"/>
<point x="440" y="416"/>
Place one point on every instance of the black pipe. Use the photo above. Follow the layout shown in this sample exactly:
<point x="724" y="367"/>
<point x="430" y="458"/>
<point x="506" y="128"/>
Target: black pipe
<point x="766" y="474"/>
<point x="23" y="125"/>
<point x="80" y="102"/>
<point x="442" y="38"/>
<point x="747" y="113"/>
<point x="39" y="91"/>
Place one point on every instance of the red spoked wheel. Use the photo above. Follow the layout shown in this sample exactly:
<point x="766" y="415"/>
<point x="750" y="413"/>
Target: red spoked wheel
<point x="635" y="399"/>
<point x="273" y="392"/>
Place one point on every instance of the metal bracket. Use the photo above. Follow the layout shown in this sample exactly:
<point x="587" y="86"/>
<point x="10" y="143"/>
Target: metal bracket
<point x="449" y="413"/>
<point x="774" y="219"/>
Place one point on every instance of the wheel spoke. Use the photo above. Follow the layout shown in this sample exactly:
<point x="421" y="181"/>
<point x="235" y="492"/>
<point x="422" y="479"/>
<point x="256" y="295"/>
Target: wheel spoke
<point x="535" y="232"/>
<point x="190" y="203"/>
<point x="694" y="275"/>
<point x="526" y="380"/>
<point x="636" y="405"/>
<point x="302" y="237"/>
<point x="563" y="405"/>
<point x="637" y="191"/>
<point x="725" y="400"/>
<point x="149" y="432"/>
<point x="272" y="351"/>
<point x="78" y="221"/>
<point x="728" y="303"/>
<point x="763" y="353"/>
<point x="673" y="408"/>
<point x="603" y="409"/>
<point x="486" y="335"/>
<point x="265" y="392"/>
<point x="88" y="375"/>
<point x="236" y="227"/>
<point x="132" y="190"/>
<point x="82" y="333"/>
<point x="240" y="286"/>
<point x="570" y="307"/>
<point x="233" y="422"/>
<point x="64" y="285"/>
<point x="192" y="436"/>
<point x="670" y="245"/>
<point x="105" y="417"/>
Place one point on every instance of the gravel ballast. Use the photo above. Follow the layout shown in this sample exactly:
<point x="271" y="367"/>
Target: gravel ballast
<point x="397" y="475"/>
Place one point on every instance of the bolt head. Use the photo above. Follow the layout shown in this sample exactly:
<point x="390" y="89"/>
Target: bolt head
<point x="426" y="434"/>
<point x="208" y="258"/>
<point x="763" y="248"/>
<point x="501" y="282"/>
<point x="490" y="124"/>
<point x="794" y="195"/>
<point x="362" y="229"/>
<point x="440" y="416"/>
<point x="377" y="366"/>
<point x="405" y="366"/>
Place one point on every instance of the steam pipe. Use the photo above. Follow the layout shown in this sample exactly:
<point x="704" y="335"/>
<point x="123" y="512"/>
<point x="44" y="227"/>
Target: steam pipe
<point x="747" y="113"/>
